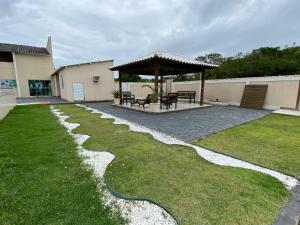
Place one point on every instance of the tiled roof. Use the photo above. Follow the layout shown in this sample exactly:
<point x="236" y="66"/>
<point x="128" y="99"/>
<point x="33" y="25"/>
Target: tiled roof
<point x="23" y="49"/>
<point x="79" y="64"/>
<point x="168" y="56"/>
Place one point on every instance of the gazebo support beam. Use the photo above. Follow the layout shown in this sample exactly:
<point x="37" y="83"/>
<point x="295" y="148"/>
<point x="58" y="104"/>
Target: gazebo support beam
<point x="161" y="89"/>
<point x="156" y="73"/>
<point x="202" y="87"/>
<point x="120" y="86"/>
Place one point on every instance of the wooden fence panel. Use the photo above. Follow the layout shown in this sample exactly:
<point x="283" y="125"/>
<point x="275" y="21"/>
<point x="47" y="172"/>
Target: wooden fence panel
<point x="254" y="96"/>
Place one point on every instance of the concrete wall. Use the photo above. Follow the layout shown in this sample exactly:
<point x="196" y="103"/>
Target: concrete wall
<point x="280" y="94"/>
<point x="225" y="92"/>
<point x="187" y="86"/>
<point x="32" y="67"/>
<point x="7" y="71"/>
<point x="7" y="101"/>
<point x="282" y="90"/>
<point x="84" y="74"/>
<point x="138" y="90"/>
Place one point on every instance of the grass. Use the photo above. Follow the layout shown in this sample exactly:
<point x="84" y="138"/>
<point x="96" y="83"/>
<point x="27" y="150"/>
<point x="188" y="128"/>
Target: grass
<point x="194" y="190"/>
<point x="272" y="141"/>
<point x="42" y="180"/>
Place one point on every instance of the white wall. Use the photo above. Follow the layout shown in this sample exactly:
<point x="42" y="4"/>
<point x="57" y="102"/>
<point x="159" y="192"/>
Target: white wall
<point x="7" y="101"/>
<point x="282" y="90"/>
<point x="93" y="91"/>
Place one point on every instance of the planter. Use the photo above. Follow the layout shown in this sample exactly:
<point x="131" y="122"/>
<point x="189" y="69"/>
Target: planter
<point x="155" y="107"/>
<point x="116" y="101"/>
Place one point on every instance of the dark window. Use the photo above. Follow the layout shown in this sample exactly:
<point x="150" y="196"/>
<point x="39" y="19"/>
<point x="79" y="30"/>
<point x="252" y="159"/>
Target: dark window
<point x="6" y="57"/>
<point x="40" y="87"/>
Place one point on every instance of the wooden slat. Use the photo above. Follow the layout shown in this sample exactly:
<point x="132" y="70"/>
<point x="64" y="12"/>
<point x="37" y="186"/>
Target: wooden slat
<point x="254" y="96"/>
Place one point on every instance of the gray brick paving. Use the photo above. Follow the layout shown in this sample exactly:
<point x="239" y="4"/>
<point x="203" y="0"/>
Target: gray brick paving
<point x="290" y="214"/>
<point x="192" y="124"/>
<point x="186" y="125"/>
<point x="50" y="100"/>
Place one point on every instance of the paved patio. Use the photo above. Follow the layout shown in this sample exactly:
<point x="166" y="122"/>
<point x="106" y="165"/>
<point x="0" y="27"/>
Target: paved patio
<point x="40" y="100"/>
<point x="186" y="125"/>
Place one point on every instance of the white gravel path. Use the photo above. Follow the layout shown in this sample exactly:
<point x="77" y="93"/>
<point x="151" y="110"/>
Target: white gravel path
<point x="210" y="156"/>
<point x="136" y="212"/>
<point x="287" y="112"/>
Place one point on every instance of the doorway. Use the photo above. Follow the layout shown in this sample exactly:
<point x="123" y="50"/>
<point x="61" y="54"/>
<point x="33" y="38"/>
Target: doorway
<point x="39" y="88"/>
<point x="78" y="92"/>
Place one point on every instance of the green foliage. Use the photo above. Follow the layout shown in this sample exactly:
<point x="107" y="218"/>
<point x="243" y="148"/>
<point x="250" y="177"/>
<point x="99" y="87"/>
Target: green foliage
<point x="265" y="61"/>
<point x="193" y="189"/>
<point x="214" y="58"/>
<point x="116" y="93"/>
<point x="42" y="177"/>
<point x="186" y="77"/>
<point x="154" y="95"/>
<point x="130" y="78"/>
<point x="154" y="98"/>
<point x="272" y="141"/>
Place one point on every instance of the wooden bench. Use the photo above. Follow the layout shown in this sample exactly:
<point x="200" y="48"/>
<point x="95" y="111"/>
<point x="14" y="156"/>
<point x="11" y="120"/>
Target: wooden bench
<point x="190" y="95"/>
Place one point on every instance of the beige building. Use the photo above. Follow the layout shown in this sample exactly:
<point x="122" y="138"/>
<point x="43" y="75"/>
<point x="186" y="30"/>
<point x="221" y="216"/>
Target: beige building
<point x="30" y="70"/>
<point x="27" y="68"/>
<point x="92" y="81"/>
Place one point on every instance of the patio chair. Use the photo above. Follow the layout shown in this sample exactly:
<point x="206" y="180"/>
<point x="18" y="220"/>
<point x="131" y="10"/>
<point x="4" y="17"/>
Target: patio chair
<point x="142" y="102"/>
<point x="169" y="100"/>
<point x="126" y="95"/>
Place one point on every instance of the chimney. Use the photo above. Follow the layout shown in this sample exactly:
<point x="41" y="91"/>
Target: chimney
<point x="49" y="45"/>
<point x="49" y="49"/>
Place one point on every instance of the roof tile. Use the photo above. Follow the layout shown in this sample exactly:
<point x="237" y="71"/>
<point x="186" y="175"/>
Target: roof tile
<point x="23" y="49"/>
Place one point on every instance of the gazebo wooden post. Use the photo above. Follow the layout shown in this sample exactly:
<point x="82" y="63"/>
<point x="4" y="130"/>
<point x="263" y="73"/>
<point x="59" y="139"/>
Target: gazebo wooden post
<point x="156" y="73"/>
<point x="161" y="90"/>
<point x="120" y="86"/>
<point x="202" y="87"/>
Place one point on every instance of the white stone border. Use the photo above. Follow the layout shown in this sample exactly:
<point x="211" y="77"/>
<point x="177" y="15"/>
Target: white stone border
<point x="287" y="112"/>
<point x="216" y="158"/>
<point x="137" y="212"/>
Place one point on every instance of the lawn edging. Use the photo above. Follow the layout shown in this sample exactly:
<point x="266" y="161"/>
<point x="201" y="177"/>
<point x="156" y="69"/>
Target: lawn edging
<point x="119" y="195"/>
<point x="140" y="129"/>
<point x="288" y="181"/>
<point x="218" y="152"/>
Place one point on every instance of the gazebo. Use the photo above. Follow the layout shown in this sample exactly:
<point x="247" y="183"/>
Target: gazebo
<point x="160" y="64"/>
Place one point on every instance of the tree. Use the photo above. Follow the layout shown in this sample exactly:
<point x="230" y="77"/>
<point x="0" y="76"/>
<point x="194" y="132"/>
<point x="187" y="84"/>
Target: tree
<point x="214" y="58"/>
<point x="130" y="78"/>
<point x="265" y="61"/>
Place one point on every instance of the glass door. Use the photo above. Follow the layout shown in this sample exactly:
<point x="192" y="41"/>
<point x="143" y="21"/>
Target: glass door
<point x="40" y="88"/>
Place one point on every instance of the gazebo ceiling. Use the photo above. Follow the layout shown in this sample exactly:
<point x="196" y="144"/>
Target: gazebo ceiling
<point x="166" y="63"/>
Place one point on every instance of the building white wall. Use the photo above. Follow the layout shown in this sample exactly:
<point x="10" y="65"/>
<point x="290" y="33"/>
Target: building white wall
<point x="7" y="71"/>
<point x="32" y="67"/>
<point x="7" y="101"/>
<point x="84" y="73"/>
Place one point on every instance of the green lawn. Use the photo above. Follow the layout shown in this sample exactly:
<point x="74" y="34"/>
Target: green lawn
<point x="41" y="177"/>
<point x="196" y="191"/>
<point x="272" y="141"/>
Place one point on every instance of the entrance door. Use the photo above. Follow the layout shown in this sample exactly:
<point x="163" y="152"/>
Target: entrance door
<point x="78" y="92"/>
<point x="40" y="88"/>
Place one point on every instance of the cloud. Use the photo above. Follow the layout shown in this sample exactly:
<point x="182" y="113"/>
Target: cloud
<point x="96" y="29"/>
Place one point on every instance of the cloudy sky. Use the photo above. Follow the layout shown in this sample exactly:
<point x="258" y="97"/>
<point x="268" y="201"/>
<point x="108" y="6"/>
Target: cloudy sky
<point x="87" y="30"/>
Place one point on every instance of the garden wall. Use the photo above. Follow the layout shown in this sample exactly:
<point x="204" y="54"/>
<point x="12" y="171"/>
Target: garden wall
<point x="7" y="101"/>
<point x="282" y="90"/>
